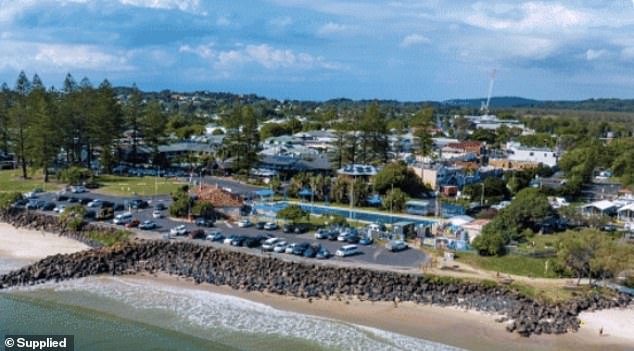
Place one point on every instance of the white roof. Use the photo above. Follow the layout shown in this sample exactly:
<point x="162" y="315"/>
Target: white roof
<point x="629" y="207"/>
<point x="601" y="205"/>
<point x="460" y="220"/>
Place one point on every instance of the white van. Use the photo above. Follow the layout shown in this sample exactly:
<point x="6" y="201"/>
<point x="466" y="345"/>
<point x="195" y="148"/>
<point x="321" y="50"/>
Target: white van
<point x="123" y="218"/>
<point x="347" y="250"/>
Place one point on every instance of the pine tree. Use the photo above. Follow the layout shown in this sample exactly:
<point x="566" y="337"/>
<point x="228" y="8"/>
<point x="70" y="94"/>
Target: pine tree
<point x="44" y="130"/>
<point x="152" y="125"/>
<point x="20" y="120"/>
<point x="133" y="114"/>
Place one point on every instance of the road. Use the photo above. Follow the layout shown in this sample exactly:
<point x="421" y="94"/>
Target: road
<point x="371" y="254"/>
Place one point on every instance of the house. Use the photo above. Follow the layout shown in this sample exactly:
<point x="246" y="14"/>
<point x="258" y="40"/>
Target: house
<point x="601" y="208"/>
<point x="358" y="170"/>
<point x="290" y="165"/>
<point x="545" y="156"/>
<point x="474" y="228"/>
<point x="626" y="213"/>
<point x="418" y="207"/>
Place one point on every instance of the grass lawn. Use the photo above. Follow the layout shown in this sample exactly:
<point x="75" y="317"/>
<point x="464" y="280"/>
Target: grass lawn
<point x="11" y="180"/>
<point x="511" y="264"/>
<point x="137" y="186"/>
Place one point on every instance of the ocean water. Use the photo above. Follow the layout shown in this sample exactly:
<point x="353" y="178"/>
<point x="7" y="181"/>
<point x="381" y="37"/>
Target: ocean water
<point x="110" y="313"/>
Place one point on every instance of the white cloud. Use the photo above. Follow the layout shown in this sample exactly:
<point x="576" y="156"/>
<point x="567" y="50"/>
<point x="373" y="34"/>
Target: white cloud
<point x="46" y="56"/>
<point x="592" y="54"/>
<point x="223" y="21"/>
<point x="628" y="53"/>
<point x="284" y="21"/>
<point x="414" y="39"/>
<point x="270" y="58"/>
<point x="332" y="28"/>
<point x="192" y="6"/>
<point x="528" y="17"/>
<point x="204" y="51"/>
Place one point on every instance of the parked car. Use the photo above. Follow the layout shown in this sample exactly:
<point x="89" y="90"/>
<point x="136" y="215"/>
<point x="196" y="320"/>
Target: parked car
<point x="270" y="226"/>
<point x="179" y="230"/>
<point x="78" y="189"/>
<point x="332" y="235"/>
<point x="366" y="240"/>
<point x="348" y="250"/>
<point x="300" y="248"/>
<point x="157" y="214"/>
<point x="244" y="223"/>
<point x="269" y="244"/>
<point x="323" y="254"/>
<point x="321" y="234"/>
<point x="229" y="239"/>
<point x="260" y="225"/>
<point x="352" y="238"/>
<point x="105" y="213"/>
<point x="85" y="200"/>
<point x="288" y="228"/>
<point x="147" y="225"/>
<point x="197" y="234"/>
<point x="160" y="207"/>
<point x="49" y="206"/>
<point x="73" y="200"/>
<point x="122" y="218"/>
<point x="203" y="222"/>
<point x="95" y="203"/>
<point x="312" y="250"/>
<point x="396" y="245"/>
<point x="238" y="240"/>
<point x="138" y="204"/>
<point x="34" y="204"/>
<point x="300" y="229"/>
<point x="290" y="247"/>
<point x="133" y="223"/>
<point x="90" y="214"/>
<point x="280" y="246"/>
<point x="215" y="236"/>
<point x="253" y="242"/>
<point x="61" y="197"/>
<point x="59" y="208"/>
<point x="118" y="207"/>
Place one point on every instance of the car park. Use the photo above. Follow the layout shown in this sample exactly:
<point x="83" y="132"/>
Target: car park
<point x="300" y="229"/>
<point x="290" y="247"/>
<point x="270" y="226"/>
<point x="311" y="250"/>
<point x="34" y="204"/>
<point x="179" y="230"/>
<point x="61" y="197"/>
<point x="157" y="214"/>
<point x="348" y="250"/>
<point x="138" y="204"/>
<point x="147" y="225"/>
<point x="321" y="234"/>
<point x="260" y="225"/>
<point x="228" y="239"/>
<point x="244" y="223"/>
<point x="254" y="242"/>
<point x="396" y="245"/>
<point x="215" y="236"/>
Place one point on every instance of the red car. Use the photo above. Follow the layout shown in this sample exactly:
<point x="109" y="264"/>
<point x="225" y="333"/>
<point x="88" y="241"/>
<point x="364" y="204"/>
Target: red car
<point x="133" y="223"/>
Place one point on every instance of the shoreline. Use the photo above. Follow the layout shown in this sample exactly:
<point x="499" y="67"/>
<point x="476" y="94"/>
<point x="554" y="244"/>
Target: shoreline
<point x="477" y="330"/>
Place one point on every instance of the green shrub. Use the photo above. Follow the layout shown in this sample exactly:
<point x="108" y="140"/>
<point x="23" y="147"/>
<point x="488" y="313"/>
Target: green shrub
<point x="73" y="217"/>
<point x="107" y="238"/>
<point x="7" y="199"/>
<point x="75" y="175"/>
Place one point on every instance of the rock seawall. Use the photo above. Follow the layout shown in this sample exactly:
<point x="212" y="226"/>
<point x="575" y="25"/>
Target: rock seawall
<point x="260" y="273"/>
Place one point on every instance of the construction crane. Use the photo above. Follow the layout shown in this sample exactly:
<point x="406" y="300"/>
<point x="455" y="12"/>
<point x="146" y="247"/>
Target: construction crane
<point x="484" y="108"/>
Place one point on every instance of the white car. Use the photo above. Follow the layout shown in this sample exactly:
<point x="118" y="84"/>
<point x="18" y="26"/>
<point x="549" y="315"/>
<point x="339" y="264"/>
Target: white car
<point x="289" y="248"/>
<point x="269" y="244"/>
<point x="157" y="214"/>
<point x="280" y="246"/>
<point x="244" y="223"/>
<point x="78" y="189"/>
<point x="59" y="208"/>
<point x="396" y="245"/>
<point x="270" y="226"/>
<point x="348" y="250"/>
<point x="179" y="230"/>
<point x="95" y="203"/>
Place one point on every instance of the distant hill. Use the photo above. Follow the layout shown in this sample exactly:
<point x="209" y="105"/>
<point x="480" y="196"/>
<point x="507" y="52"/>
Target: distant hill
<point x="496" y="102"/>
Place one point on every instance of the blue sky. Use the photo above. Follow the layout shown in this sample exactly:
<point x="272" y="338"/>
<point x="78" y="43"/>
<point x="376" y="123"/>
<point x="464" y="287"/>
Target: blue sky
<point x="310" y="49"/>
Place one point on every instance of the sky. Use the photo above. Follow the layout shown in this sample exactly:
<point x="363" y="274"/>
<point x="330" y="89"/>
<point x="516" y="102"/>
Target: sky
<point x="317" y="50"/>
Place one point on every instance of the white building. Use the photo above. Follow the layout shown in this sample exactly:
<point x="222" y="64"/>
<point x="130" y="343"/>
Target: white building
<point x="545" y="156"/>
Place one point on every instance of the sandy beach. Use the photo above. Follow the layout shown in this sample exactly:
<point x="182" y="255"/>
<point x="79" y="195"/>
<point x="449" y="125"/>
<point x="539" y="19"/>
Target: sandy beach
<point x="470" y="330"/>
<point x="23" y="246"/>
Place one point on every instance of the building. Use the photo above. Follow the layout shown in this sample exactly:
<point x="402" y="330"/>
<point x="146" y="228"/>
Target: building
<point x="358" y="170"/>
<point x="518" y="153"/>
